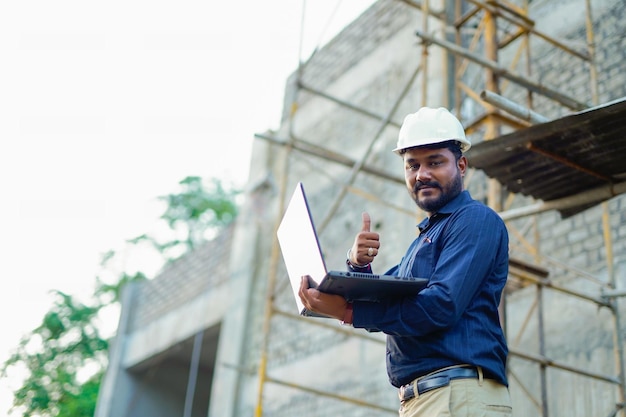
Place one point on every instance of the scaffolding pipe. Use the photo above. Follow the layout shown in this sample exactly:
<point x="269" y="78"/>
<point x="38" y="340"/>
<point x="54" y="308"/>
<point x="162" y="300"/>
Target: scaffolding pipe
<point x="614" y="293"/>
<point x="564" y="367"/>
<point x="509" y="75"/>
<point x="512" y="108"/>
<point x="325" y="323"/>
<point x="591" y="47"/>
<point x="345" y="103"/>
<point x="464" y="18"/>
<point x="613" y="302"/>
<point x="269" y="301"/>
<point x="544" y="282"/>
<point x="543" y="365"/>
<point x="273" y="266"/>
<point x="424" y="63"/>
<point x="458" y="12"/>
<point x="417" y="5"/>
<point x="525" y="390"/>
<point x="515" y="10"/>
<point x="493" y="130"/>
<point x="596" y="195"/>
<point x="450" y="59"/>
<point x="327" y="394"/>
<point x="526" y="25"/>
<point x="314" y="150"/>
<point x="577" y="271"/>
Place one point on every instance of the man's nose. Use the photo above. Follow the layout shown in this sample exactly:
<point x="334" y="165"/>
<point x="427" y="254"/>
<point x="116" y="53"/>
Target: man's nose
<point x="423" y="174"/>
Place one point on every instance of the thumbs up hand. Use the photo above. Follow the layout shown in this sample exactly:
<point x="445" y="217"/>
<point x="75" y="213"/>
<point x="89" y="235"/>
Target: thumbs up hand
<point x="366" y="244"/>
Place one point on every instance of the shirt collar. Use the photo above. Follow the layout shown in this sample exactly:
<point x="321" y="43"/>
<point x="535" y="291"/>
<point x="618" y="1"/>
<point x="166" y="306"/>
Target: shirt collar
<point x="460" y="200"/>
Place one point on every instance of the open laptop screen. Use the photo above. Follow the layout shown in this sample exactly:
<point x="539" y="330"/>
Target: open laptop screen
<point x="299" y="244"/>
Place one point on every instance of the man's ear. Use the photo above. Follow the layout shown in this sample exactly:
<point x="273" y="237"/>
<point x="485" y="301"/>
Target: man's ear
<point x="462" y="164"/>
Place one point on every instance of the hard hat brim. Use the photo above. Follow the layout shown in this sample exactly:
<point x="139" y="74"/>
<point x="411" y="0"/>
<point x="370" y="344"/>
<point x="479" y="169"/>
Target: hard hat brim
<point x="464" y="144"/>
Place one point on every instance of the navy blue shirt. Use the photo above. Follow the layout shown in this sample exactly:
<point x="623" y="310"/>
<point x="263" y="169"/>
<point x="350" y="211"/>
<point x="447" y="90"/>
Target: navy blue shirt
<point x="463" y="250"/>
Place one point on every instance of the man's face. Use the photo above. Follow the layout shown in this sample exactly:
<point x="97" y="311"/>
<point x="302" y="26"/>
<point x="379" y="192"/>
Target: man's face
<point x="433" y="177"/>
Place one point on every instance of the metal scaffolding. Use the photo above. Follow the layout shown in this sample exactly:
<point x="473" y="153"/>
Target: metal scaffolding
<point x="477" y="34"/>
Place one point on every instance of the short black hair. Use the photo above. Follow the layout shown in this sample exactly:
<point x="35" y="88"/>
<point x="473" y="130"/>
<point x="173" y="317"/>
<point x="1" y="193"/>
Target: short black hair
<point x="453" y="146"/>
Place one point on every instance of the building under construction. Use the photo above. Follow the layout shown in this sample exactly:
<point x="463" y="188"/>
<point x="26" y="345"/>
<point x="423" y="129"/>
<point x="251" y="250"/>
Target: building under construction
<point x="540" y="87"/>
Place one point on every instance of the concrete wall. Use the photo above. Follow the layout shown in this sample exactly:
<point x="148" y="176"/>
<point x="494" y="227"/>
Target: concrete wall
<point x="577" y="333"/>
<point x="150" y="358"/>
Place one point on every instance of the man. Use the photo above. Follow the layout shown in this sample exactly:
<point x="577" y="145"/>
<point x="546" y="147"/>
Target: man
<point x="446" y="352"/>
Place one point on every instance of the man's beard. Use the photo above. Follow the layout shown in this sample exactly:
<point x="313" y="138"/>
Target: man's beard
<point x="430" y="205"/>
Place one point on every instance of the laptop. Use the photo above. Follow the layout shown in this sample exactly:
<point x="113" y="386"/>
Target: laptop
<point x="302" y="255"/>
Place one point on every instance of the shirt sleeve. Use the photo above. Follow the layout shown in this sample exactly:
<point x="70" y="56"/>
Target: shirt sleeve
<point x="473" y="238"/>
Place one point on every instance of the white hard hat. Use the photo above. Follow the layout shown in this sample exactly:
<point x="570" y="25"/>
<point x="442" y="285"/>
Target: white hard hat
<point x="428" y="126"/>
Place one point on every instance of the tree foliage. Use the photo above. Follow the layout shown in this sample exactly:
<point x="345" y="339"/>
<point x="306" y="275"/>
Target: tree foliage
<point x="198" y="211"/>
<point x="64" y="358"/>
<point x="53" y="354"/>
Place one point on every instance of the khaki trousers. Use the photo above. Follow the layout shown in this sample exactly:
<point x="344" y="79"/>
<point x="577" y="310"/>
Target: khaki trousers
<point x="462" y="398"/>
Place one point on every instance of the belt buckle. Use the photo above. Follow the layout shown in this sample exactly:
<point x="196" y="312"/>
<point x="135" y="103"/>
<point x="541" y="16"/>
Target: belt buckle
<point x="402" y="392"/>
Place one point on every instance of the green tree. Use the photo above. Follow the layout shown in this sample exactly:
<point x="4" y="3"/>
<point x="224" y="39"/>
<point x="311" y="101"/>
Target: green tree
<point x="198" y="212"/>
<point x="64" y="358"/>
<point x="66" y="342"/>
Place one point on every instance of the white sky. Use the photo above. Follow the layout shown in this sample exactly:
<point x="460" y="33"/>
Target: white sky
<point x="106" y="105"/>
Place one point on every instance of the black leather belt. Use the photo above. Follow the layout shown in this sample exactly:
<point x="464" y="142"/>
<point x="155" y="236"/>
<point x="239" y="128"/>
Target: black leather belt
<point x="434" y="381"/>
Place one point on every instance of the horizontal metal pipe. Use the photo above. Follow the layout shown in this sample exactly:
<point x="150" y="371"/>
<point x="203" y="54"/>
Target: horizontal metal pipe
<point x="542" y="360"/>
<point x="549" y="284"/>
<point x="513" y="108"/>
<point x="614" y="293"/>
<point x="345" y="104"/>
<point x="327" y="324"/>
<point x="311" y="149"/>
<point x="331" y="395"/>
<point x="596" y="195"/>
